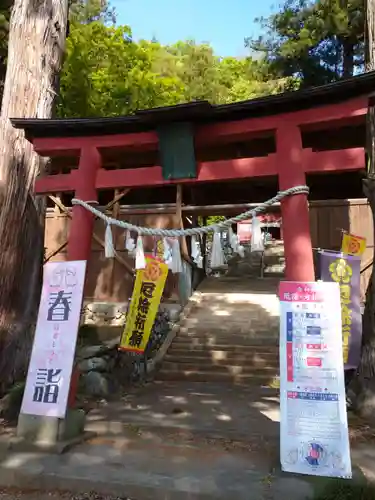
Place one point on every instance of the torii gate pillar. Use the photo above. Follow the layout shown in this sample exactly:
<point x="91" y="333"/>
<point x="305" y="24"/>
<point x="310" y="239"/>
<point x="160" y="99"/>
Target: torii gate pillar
<point x="294" y="209"/>
<point x="81" y="226"/>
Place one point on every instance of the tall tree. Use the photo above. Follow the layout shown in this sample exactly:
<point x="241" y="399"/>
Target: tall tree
<point x="364" y="383"/>
<point x="88" y="11"/>
<point x="197" y="68"/>
<point x="107" y="74"/>
<point x="36" y="45"/>
<point x="318" y="41"/>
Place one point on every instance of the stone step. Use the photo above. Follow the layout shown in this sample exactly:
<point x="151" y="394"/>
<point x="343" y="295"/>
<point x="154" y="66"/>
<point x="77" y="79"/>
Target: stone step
<point x="251" y="296"/>
<point x="237" y="285"/>
<point x="274" y="268"/>
<point x="273" y="259"/>
<point x="221" y="351"/>
<point x="228" y="305"/>
<point x="279" y="274"/>
<point x="218" y="357"/>
<point x="250" y="301"/>
<point x="226" y="327"/>
<point x="230" y="369"/>
<point x="200" y="376"/>
<point x="231" y="331"/>
<point x="234" y="312"/>
<point x="216" y="342"/>
<point x="196" y="363"/>
<point x="232" y="335"/>
<point x="217" y="316"/>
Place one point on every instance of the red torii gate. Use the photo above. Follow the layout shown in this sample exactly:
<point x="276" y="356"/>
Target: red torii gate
<point x="286" y="116"/>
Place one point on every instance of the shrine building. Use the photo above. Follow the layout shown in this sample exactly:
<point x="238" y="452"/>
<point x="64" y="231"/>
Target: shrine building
<point x="168" y="166"/>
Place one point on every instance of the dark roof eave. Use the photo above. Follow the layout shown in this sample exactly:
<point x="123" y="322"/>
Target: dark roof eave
<point x="200" y="111"/>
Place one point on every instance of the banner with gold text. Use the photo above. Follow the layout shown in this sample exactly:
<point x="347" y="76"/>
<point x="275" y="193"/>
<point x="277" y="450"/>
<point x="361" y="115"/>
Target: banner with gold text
<point x="144" y="305"/>
<point x="345" y="270"/>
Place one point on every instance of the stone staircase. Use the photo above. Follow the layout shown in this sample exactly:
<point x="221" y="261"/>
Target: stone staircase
<point x="274" y="259"/>
<point x="270" y="263"/>
<point x="231" y="335"/>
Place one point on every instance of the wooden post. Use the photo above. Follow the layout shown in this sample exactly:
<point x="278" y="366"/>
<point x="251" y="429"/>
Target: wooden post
<point x="180" y="222"/>
<point x="203" y="246"/>
<point x="56" y="207"/>
<point x="115" y="234"/>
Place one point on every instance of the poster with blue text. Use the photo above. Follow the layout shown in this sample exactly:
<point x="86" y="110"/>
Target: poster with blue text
<point x="314" y="435"/>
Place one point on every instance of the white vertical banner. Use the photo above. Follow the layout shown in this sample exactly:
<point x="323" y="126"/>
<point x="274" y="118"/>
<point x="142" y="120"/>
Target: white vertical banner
<point x="50" y="370"/>
<point x="314" y="436"/>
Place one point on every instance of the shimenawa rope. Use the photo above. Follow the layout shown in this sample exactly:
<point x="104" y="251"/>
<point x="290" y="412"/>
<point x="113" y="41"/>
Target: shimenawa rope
<point x="173" y="233"/>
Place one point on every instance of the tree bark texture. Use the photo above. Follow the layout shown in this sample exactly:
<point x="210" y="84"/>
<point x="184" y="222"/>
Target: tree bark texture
<point x="36" y="46"/>
<point x="363" y="384"/>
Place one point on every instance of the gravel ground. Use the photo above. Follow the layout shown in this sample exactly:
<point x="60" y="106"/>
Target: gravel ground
<point x="12" y="494"/>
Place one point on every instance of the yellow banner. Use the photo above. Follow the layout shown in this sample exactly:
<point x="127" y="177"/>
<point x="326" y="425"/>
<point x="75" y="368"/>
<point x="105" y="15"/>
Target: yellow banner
<point x="353" y="245"/>
<point x="144" y="304"/>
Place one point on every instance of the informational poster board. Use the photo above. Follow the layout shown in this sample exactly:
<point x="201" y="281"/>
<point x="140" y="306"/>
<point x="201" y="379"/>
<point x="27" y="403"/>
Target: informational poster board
<point x="50" y="370"/>
<point x="314" y="428"/>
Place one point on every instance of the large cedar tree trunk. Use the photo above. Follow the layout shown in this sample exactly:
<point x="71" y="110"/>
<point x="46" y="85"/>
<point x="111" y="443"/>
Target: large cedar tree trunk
<point x="364" y="382"/>
<point x="36" y="45"/>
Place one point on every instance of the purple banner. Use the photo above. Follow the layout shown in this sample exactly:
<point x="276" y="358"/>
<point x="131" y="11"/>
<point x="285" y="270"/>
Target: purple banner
<point x="346" y="271"/>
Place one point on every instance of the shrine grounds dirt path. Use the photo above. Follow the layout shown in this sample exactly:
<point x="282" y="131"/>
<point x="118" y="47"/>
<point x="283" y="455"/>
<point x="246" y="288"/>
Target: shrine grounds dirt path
<point x="161" y="444"/>
<point x="168" y="442"/>
<point x="14" y="494"/>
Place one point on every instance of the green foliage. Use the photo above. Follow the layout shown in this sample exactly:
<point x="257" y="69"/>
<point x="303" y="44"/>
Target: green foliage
<point x="88" y="11"/>
<point x="4" y="30"/>
<point x="316" y="41"/>
<point x="107" y="73"/>
<point x="211" y="219"/>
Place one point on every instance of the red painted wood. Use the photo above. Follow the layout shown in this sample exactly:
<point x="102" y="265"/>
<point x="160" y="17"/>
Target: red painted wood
<point x="152" y="176"/>
<point x="325" y="114"/>
<point x="206" y="134"/>
<point x="294" y="209"/>
<point x="72" y="145"/>
<point x="243" y="168"/>
<point x="207" y="172"/>
<point x="334" y="161"/>
<point x="59" y="183"/>
<point x="81" y="226"/>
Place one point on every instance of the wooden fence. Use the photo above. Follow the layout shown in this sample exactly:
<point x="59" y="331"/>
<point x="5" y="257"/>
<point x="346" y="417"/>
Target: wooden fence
<point x="329" y="218"/>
